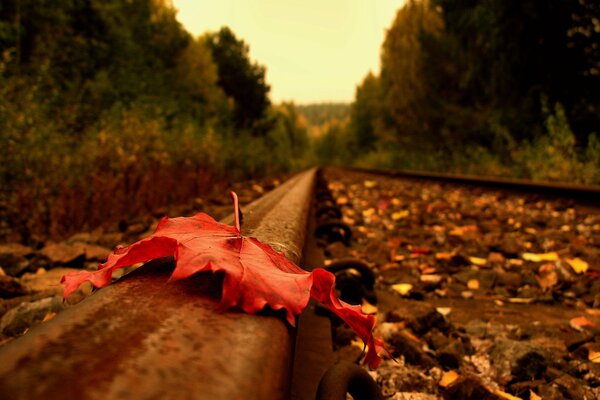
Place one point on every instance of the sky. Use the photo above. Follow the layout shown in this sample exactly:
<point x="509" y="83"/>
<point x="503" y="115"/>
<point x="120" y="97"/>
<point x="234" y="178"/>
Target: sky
<point x="314" y="50"/>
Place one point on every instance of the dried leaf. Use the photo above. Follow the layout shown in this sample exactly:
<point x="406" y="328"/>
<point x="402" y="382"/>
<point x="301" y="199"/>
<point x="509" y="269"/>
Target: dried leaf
<point x="579" y="266"/>
<point x="370" y="184"/>
<point x="449" y="378"/>
<point x="533" y="396"/>
<point x="579" y="323"/>
<point x="445" y="311"/>
<point x="255" y="274"/>
<point x="368" y="308"/>
<point x="402" y="288"/>
<point x="400" y="215"/>
<point x="429" y="278"/>
<point x="444" y="256"/>
<point x="473" y="284"/>
<point x="521" y="300"/>
<point x="49" y="316"/>
<point x="504" y="395"/>
<point x="538" y="257"/>
<point x="547" y="276"/>
<point x="478" y="261"/>
<point x="594" y="356"/>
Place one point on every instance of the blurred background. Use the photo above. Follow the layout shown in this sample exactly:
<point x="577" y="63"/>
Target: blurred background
<point x="119" y="107"/>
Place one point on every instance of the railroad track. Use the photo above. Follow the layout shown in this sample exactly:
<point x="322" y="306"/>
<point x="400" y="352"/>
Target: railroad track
<point x="146" y="338"/>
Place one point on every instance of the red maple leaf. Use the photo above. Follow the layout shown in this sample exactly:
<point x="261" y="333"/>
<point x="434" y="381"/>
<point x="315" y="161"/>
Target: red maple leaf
<point x="255" y="274"/>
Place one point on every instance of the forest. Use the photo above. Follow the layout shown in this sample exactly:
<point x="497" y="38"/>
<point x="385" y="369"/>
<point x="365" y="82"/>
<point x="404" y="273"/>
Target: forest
<point x="491" y="87"/>
<point x="112" y="107"/>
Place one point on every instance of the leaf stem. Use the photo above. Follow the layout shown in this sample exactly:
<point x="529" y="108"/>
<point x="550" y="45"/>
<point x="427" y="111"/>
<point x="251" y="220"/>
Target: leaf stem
<point x="236" y="211"/>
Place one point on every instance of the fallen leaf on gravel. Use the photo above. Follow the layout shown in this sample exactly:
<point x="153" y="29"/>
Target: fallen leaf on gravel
<point x="445" y="311"/>
<point x="431" y="278"/>
<point x="400" y="214"/>
<point x="473" y="284"/>
<point x="579" y="323"/>
<point x="537" y="257"/>
<point x="478" y="261"/>
<point x="504" y="395"/>
<point x="402" y="288"/>
<point x="370" y="184"/>
<point x="368" y="213"/>
<point x="444" y="256"/>
<point x="533" y="396"/>
<point x="342" y="200"/>
<point x="449" y="378"/>
<point x="255" y="274"/>
<point x="577" y="264"/>
<point x="521" y="300"/>
<point x="368" y="308"/>
<point x="594" y="356"/>
<point x="547" y="276"/>
<point x="49" y="316"/>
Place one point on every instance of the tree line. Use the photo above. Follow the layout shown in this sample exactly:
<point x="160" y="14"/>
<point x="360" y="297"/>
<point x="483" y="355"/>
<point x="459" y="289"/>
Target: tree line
<point x="507" y="88"/>
<point x="111" y="108"/>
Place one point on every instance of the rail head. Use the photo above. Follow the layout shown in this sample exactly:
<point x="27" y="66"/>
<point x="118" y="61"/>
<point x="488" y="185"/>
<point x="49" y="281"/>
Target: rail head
<point x="147" y="338"/>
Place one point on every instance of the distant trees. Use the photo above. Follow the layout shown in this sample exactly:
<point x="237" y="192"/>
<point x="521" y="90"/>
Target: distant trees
<point x="241" y="79"/>
<point x="467" y="82"/>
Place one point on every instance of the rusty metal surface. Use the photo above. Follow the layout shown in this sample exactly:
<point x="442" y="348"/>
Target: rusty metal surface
<point x="147" y="338"/>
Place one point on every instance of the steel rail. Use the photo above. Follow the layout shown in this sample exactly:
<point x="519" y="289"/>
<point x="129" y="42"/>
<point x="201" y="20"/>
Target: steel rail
<point x="146" y="338"/>
<point x="584" y="194"/>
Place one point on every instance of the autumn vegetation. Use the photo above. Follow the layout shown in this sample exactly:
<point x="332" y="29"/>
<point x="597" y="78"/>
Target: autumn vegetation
<point x="111" y="108"/>
<point x="482" y="87"/>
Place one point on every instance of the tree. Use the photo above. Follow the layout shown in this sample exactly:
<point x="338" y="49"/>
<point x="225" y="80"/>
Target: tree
<point x="241" y="79"/>
<point x="365" y="114"/>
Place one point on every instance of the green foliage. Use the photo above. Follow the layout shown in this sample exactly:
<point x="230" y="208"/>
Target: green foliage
<point x="111" y="109"/>
<point x="321" y="113"/>
<point x="460" y="89"/>
<point x="242" y="80"/>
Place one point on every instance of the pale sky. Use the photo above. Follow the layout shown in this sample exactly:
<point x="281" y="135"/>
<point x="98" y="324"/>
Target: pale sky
<point x="314" y="50"/>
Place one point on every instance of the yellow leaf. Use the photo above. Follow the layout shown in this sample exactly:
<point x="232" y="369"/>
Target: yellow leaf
<point x="368" y="213"/>
<point x="370" y="184"/>
<point x="449" y="378"/>
<point x="535" y="257"/>
<point x="533" y="396"/>
<point x="594" y="356"/>
<point x="400" y="214"/>
<point x="577" y="264"/>
<point x="358" y="343"/>
<point x="402" y="288"/>
<point x="478" y="261"/>
<point x="445" y="311"/>
<point x="473" y="284"/>
<point x="458" y="231"/>
<point x="368" y="308"/>
<point x="505" y="395"/>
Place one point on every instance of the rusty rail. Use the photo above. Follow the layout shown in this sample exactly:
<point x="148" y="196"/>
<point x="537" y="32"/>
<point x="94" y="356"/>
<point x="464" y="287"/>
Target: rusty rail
<point x="146" y="338"/>
<point x="588" y="195"/>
